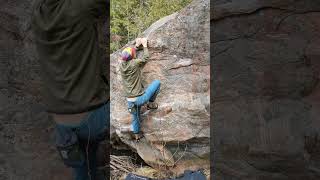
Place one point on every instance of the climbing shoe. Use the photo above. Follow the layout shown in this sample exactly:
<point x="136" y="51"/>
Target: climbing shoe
<point x="138" y="136"/>
<point x="152" y="105"/>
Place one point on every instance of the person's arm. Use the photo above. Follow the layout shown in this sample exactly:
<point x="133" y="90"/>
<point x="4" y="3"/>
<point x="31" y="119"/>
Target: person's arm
<point x="145" y="57"/>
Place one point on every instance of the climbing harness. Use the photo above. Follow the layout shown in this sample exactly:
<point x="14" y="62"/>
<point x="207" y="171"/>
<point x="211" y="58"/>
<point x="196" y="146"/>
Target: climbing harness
<point x="134" y="110"/>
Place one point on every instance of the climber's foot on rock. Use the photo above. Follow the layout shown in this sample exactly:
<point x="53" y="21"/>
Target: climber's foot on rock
<point x="152" y="105"/>
<point x="138" y="136"/>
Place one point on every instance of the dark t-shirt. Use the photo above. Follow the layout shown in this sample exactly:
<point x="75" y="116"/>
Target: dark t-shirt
<point x="66" y="38"/>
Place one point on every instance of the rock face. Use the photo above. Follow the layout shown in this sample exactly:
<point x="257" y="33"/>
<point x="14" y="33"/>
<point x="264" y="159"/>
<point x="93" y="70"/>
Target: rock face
<point x="177" y="134"/>
<point x="266" y="89"/>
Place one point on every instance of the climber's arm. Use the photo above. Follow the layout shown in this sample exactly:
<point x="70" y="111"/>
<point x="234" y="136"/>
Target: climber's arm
<point x="145" y="57"/>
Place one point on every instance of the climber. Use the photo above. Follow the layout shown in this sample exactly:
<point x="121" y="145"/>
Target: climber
<point x="137" y="96"/>
<point x="75" y="87"/>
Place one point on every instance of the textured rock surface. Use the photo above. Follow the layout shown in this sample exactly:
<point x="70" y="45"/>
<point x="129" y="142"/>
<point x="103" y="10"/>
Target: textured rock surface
<point x="266" y="91"/>
<point x="26" y="143"/>
<point x="179" y="49"/>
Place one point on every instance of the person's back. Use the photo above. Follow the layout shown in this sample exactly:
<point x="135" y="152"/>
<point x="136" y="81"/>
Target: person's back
<point x="69" y="54"/>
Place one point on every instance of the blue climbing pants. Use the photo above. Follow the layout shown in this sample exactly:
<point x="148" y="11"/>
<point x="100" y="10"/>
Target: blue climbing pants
<point x="90" y="132"/>
<point x="149" y="95"/>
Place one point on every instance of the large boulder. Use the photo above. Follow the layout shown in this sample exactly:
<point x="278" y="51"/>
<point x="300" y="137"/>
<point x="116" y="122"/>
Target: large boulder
<point x="266" y="89"/>
<point x="177" y="134"/>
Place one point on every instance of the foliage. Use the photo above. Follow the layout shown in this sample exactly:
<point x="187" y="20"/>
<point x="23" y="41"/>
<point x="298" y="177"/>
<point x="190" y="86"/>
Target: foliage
<point x="131" y="17"/>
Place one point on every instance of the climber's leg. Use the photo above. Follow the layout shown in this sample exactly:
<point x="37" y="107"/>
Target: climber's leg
<point x="135" y="120"/>
<point x="150" y="93"/>
<point x="154" y="96"/>
<point x="91" y="132"/>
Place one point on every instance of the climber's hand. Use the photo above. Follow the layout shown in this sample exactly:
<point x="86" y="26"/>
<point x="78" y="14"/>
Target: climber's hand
<point x="138" y="42"/>
<point x="144" y="42"/>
